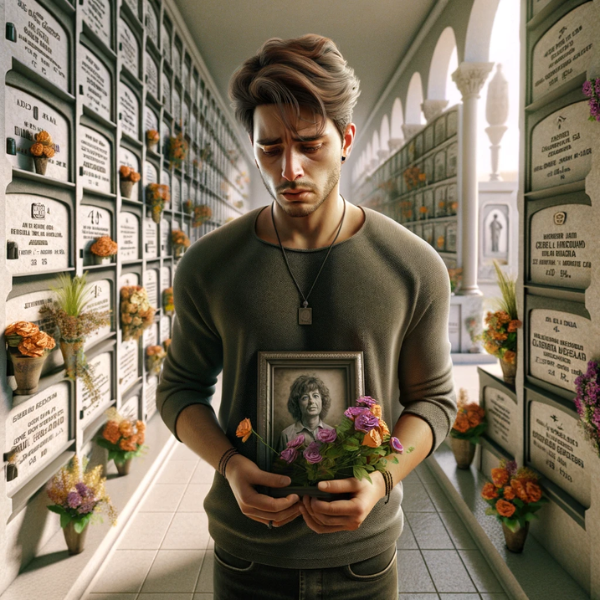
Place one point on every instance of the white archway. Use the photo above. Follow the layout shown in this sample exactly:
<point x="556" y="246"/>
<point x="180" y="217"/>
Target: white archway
<point x="384" y="137"/>
<point x="440" y="66"/>
<point x="375" y="148"/>
<point x="479" y="30"/>
<point x="396" y="133"/>
<point x="414" y="99"/>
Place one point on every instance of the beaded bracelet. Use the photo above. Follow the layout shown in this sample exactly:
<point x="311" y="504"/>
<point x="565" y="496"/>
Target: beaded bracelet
<point x="225" y="459"/>
<point x="389" y="484"/>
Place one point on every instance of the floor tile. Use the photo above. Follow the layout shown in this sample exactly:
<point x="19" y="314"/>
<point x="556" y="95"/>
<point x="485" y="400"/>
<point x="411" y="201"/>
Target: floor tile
<point x="110" y="597"/>
<point x="204" y="473"/>
<point x="407" y="541"/>
<point x="146" y="531"/>
<point x="205" y="581"/>
<point x="177" y="471"/>
<point x="203" y="597"/>
<point x="459" y="597"/>
<point x="125" y="571"/>
<point x="447" y="571"/>
<point x="163" y="497"/>
<point x="480" y="572"/>
<point x="412" y="477"/>
<point x="424" y="473"/>
<point x="182" y="452"/>
<point x="438" y="497"/>
<point x="193" y="499"/>
<point x="165" y="596"/>
<point x="458" y="532"/>
<point x="412" y="573"/>
<point x="187" y="531"/>
<point x="494" y="597"/>
<point x="416" y="499"/>
<point x="174" y="571"/>
<point x="418" y="597"/>
<point x="429" y="531"/>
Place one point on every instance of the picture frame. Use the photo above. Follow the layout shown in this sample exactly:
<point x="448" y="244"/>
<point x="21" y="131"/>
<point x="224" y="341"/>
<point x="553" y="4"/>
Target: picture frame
<point x="282" y="378"/>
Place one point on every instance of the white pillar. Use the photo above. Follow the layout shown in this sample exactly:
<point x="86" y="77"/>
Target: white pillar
<point x="433" y="109"/>
<point x="469" y="79"/>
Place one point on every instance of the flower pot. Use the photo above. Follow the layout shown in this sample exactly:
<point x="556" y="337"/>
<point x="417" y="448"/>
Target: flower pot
<point x="75" y="541"/>
<point x="464" y="451"/>
<point x="152" y="146"/>
<point x="156" y="213"/>
<point x="72" y="354"/>
<point x="101" y="260"/>
<point x="123" y="467"/>
<point x="509" y="371"/>
<point x="27" y="371"/>
<point x="12" y="472"/>
<point x="126" y="188"/>
<point x="515" y="540"/>
<point x="178" y="250"/>
<point x="40" y="162"/>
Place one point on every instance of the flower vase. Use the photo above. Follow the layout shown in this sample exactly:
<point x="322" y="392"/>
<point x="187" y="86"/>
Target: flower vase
<point x="101" y="260"/>
<point x="464" y="451"/>
<point x="156" y="212"/>
<point x="123" y="467"/>
<point x="75" y="541"/>
<point x="126" y="188"/>
<point x="509" y="371"/>
<point x="40" y="162"/>
<point x="27" y="371"/>
<point x="515" y="540"/>
<point x="178" y="250"/>
<point x="152" y="146"/>
<point x="73" y="355"/>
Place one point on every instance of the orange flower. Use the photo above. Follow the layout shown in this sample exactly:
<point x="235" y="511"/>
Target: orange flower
<point x="489" y="492"/>
<point x="36" y="149"/>
<point x="461" y="424"/>
<point x="244" y="430"/>
<point x="48" y="151"/>
<point x="509" y="493"/>
<point x="125" y="171"/>
<point x="519" y="490"/>
<point x="22" y="328"/>
<point x="140" y="426"/>
<point x="534" y="491"/>
<point x="36" y="344"/>
<point x="514" y="325"/>
<point x="383" y="428"/>
<point x="503" y="316"/>
<point x="509" y="357"/>
<point x="104" y="246"/>
<point x="372" y="439"/>
<point x="126" y="428"/>
<point x="376" y="410"/>
<point x="499" y="476"/>
<point x="473" y="417"/>
<point x="43" y="137"/>
<point x="135" y="176"/>
<point x="111" y="432"/>
<point x="129" y="444"/>
<point x="505" y="509"/>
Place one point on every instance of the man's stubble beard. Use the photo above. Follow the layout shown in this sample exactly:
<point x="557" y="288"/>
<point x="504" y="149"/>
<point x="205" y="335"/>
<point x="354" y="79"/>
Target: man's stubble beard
<point x="305" y="210"/>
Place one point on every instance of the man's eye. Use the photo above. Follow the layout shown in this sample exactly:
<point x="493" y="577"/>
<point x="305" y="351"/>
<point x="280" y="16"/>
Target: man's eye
<point x="270" y="152"/>
<point x="311" y="149"/>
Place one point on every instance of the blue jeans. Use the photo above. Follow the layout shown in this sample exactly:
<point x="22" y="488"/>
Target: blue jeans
<point x="237" y="579"/>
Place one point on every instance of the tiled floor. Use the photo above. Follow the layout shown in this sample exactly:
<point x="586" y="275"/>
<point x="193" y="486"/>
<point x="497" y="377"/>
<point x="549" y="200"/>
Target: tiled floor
<point x="166" y="552"/>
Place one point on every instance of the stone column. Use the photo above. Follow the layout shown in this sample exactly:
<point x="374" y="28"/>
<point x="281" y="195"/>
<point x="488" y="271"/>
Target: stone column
<point x="433" y="109"/>
<point x="469" y="78"/>
<point x="496" y="113"/>
<point x="395" y="144"/>
<point x="411" y="129"/>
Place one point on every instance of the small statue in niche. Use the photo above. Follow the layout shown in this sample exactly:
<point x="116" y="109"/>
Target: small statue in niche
<point x="495" y="228"/>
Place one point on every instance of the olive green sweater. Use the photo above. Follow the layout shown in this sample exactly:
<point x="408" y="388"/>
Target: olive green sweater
<point x="384" y="292"/>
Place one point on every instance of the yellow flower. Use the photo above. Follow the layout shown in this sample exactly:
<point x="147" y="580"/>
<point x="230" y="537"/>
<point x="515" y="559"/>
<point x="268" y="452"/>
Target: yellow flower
<point x="372" y="439"/>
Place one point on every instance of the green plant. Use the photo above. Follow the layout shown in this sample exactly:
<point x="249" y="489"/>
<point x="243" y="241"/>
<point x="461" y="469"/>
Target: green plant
<point x="508" y="289"/>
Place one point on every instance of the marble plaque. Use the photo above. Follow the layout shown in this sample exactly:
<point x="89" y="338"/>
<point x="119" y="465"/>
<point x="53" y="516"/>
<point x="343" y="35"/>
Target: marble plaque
<point x="557" y="449"/>
<point x="129" y="48"/>
<point x="176" y="193"/>
<point x="537" y="5"/>
<point x="151" y="75"/>
<point x="129" y="159"/>
<point x="440" y="166"/>
<point x="440" y="201"/>
<point x="176" y="106"/>
<point x="97" y="15"/>
<point x="102" y="369"/>
<point x="501" y="413"/>
<point x="151" y="21"/>
<point x="453" y="324"/>
<point x="150" y="173"/>
<point x="428" y="168"/>
<point x="94" y="222"/>
<point x="150" y="238"/>
<point x="165" y="134"/>
<point x="193" y="125"/>
<point x="185" y="194"/>
<point x="150" y="119"/>
<point x="166" y="92"/>
<point x="128" y="364"/>
<point x="429" y="143"/>
<point x="151" y="285"/>
<point x="41" y="42"/>
<point x="166" y="42"/>
<point x="561" y="252"/>
<point x="150" y="396"/>
<point x="165" y="328"/>
<point x="133" y="5"/>
<point x="451" y="230"/>
<point x="166" y="178"/>
<point x="129" y="111"/>
<point x="559" y="346"/>
<point x="428" y="233"/>
<point x="95" y="160"/>
<point x="429" y="203"/>
<point x="165" y="237"/>
<point x="96" y="82"/>
<point x="186" y="75"/>
<point x="439" y="235"/>
<point x="130" y="408"/>
<point x="38" y="429"/>
<point x="561" y="147"/>
<point x="129" y="279"/>
<point x="419" y="146"/>
<point x="186" y="115"/>
<point x="165" y="278"/>
<point x="564" y="51"/>
<point x="37" y="233"/>
<point x="100" y="298"/>
<point x="440" y="131"/>
<point x="150" y="335"/>
<point x="25" y="116"/>
<point x="452" y="199"/>
<point x="177" y="61"/>
<point x="128" y="238"/>
<point x="451" y="123"/>
<point x="452" y="161"/>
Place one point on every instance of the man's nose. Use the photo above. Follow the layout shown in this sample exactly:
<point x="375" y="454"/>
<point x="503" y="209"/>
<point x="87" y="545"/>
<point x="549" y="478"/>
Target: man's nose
<point x="291" y="169"/>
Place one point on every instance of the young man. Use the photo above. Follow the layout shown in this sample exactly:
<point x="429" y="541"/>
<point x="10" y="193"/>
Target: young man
<point x="245" y="287"/>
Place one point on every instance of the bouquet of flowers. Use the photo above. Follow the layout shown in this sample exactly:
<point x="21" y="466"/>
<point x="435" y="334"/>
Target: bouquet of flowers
<point x="414" y="177"/>
<point x="122" y="438"/>
<point x="500" y="337"/>
<point x="188" y="207"/>
<point x="455" y="278"/>
<point x="202" y="213"/>
<point x="42" y="149"/>
<point x="168" y="304"/>
<point x="155" y="355"/>
<point x="470" y="420"/>
<point x="152" y="138"/>
<point x="591" y="88"/>
<point x="177" y="150"/>
<point x="157" y="195"/>
<point x="514" y="496"/>
<point x="104" y="248"/>
<point x="136" y="312"/>
<point x="423" y="210"/>
<point x="180" y="242"/>
<point x="166" y="344"/>
<point x="587" y="403"/>
<point x="127" y="178"/>
<point x="359" y="445"/>
<point x="79" y="497"/>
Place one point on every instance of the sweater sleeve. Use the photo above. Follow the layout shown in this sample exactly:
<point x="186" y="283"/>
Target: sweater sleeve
<point x="425" y="365"/>
<point x="195" y="356"/>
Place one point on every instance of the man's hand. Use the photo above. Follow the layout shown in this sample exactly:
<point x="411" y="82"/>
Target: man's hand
<point x="243" y="475"/>
<point x="343" y="515"/>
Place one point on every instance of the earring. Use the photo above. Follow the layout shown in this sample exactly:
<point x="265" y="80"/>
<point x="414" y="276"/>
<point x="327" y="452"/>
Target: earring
<point x="343" y="158"/>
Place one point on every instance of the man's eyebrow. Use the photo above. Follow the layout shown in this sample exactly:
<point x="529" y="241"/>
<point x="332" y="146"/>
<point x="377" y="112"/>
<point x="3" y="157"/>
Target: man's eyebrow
<point x="273" y="141"/>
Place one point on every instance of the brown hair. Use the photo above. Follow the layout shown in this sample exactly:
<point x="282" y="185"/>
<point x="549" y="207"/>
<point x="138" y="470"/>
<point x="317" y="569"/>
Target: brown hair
<point x="302" y="385"/>
<point x="307" y="72"/>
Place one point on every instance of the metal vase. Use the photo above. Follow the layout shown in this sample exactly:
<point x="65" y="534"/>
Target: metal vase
<point x="27" y="371"/>
<point x="515" y="540"/>
<point x="509" y="371"/>
<point x="40" y="162"/>
<point x="464" y="451"/>
<point x="75" y="541"/>
<point x="72" y="354"/>
<point x="126" y="188"/>
<point x="123" y="467"/>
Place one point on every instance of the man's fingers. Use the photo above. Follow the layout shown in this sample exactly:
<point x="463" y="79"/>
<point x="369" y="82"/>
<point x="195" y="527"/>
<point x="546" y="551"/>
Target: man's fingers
<point x="275" y="517"/>
<point x="315" y="526"/>
<point x="270" y="479"/>
<point x="335" y="507"/>
<point x="252" y="499"/>
<point x="340" y="486"/>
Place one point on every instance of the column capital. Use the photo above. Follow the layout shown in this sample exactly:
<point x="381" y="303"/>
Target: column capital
<point x="433" y="108"/>
<point x="411" y="129"/>
<point x="470" y="77"/>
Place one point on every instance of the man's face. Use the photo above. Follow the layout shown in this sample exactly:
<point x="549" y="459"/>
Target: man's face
<point x="299" y="175"/>
<point x="310" y="404"/>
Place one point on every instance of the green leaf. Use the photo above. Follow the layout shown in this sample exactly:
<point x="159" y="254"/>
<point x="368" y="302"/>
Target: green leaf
<point x="79" y="526"/>
<point x="531" y="516"/>
<point x="359" y="473"/>
<point x="350" y="448"/>
<point x="395" y="460"/>
<point x="65" y="519"/>
<point x="512" y="524"/>
<point x="55" y="508"/>
<point x="491" y="511"/>
<point x="518" y="502"/>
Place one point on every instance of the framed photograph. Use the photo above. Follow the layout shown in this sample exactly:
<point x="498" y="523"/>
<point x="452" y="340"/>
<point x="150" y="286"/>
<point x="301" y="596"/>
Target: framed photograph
<point x="301" y="392"/>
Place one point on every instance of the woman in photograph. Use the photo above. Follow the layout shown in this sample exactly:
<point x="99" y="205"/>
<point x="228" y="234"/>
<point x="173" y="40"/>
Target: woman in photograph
<point x="308" y="403"/>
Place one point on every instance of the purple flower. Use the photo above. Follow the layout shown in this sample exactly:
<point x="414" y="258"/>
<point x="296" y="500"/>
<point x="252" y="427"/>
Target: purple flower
<point x="366" y="400"/>
<point x="396" y="445"/>
<point x="597" y="86"/>
<point x="365" y="422"/>
<point x="87" y="506"/>
<point x="73" y="499"/>
<point x="84" y="490"/>
<point x="511" y="466"/>
<point x="587" y="88"/>
<point x="296" y="442"/>
<point x="326" y="435"/>
<point x="312" y="454"/>
<point x="594" y="107"/>
<point x="289" y="455"/>
<point x="579" y="407"/>
<point x="354" y="411"/>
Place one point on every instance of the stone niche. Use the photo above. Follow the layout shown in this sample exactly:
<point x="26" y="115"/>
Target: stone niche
<point x="91" y="408"/>
<point x="95" y="222"/>
<point x="129" y="111"/>
<point x="97" y="15"/>
<point x="504" y="422"/>
<point x="96" y="83"/>
<point x="95" y="160"/>
<point x="129" y="236"/>
<point x="100" y="298"/>
<point x="130" y="48"/>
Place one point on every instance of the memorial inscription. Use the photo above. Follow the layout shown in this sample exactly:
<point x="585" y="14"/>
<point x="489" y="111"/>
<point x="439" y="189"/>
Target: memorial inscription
<point x="166" y="92"/>
<point x="165" y="327"/>
<point x="451" y="123"/>
<point x="129" y="111"/>
<point x="429" y="140"/>
<point x="151" y="21"/>
<point x="100" y="298"/>
<point x="151" y="75"/>
<point x="130" y="408"/>
<point x="97" y="15"/>
<point x="165" y="237"/>
<point x="150" y="173"/>
<point x="501" y="412"/>
<point x="129" y="48"/>
<point x="176" y="193"/>
<point x="165" y="36"/>
<point x="151" y="285"/>
<point x="128" y="364"/>
<point x="129" y="159"/>
<point x="165" y="278"/>
<point x="176" y="105"/>
<point x="150" y="396"/>
<point x="452" y="161"/>
<point x="440" y="166"/>
<point x="95" y="222"/>
<point x="150" y="119"/>
<point x="150" y="238"/>
<point x="96" y="83"/>
<point x="128" y="238"/>
<point x="440" y="130"/>
<point x="95" y="160"/>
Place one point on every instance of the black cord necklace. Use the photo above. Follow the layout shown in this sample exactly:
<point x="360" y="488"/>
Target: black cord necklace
<point x="304" y="312"/>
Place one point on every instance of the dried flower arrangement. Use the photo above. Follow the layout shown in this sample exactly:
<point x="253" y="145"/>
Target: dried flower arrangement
<point x="127" y="178"/>
<point x="177" y="149"/>
<point x="168" y="305"/>
<point x="202" y="213"/>
<point x="423" y="210"/>
<point x="591" y="89"/>
<point x="136" y="312"/>
<point x="157" y="195"/>
<point x="155" y="355"/>
<point x="188" y="207"/>
<point x="122" y="438"/>
<point x="103" y="248"/>
<point x="42" y="149"/>
<point x="180" y="242"/>
<point x="587" y="403"/>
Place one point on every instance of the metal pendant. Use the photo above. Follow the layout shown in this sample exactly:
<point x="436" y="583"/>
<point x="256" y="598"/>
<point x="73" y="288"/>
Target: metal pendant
<point x="305" y="316"/>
